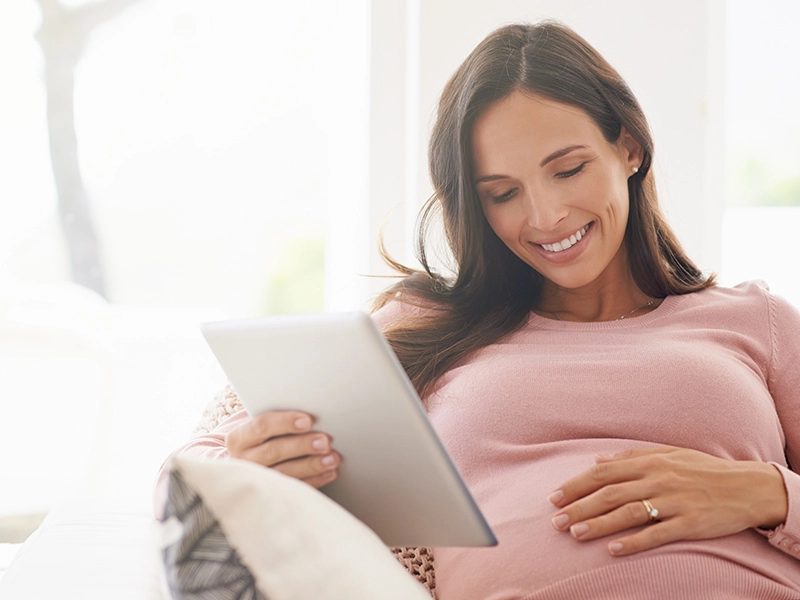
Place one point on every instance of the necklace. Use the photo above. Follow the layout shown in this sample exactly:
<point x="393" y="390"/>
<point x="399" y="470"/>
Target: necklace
<point x="642" y="307"/>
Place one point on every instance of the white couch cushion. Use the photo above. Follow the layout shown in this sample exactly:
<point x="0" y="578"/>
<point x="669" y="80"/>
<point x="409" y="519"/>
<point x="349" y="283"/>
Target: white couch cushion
<point x="92" y="549"/>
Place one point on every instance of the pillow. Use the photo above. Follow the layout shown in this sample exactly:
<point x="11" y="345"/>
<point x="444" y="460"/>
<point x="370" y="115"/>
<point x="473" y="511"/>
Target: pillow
<point x="233" y="529"/>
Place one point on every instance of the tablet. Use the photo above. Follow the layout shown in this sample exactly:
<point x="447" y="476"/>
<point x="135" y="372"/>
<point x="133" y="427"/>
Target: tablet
<point x="395" y="474"/>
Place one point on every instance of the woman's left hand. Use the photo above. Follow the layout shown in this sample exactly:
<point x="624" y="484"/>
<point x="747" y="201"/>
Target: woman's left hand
<point x="697" y="496"/>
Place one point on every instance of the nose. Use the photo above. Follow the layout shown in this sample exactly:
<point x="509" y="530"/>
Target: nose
<point x="543" y="212"/>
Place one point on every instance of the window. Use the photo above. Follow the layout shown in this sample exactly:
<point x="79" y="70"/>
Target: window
<point x="762" y="182"/>
<point x="212" y="145"/>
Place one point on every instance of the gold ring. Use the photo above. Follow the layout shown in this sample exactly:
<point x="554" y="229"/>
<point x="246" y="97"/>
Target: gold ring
<point x="652" y="513"/>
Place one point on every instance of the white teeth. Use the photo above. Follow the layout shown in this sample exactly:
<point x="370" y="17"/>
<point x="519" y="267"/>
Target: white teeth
<point x="566" y="242"/>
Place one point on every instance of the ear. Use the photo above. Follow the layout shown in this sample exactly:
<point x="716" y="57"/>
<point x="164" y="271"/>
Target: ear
<point x="630" y="150"/>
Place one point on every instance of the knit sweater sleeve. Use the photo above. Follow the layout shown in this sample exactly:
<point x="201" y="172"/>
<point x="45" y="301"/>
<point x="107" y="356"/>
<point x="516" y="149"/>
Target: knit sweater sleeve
<point x="784" y="385"/>
<point x="222" y="415"/>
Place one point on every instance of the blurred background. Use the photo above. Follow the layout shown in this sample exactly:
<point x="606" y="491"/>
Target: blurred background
<point x="169" y="162"/>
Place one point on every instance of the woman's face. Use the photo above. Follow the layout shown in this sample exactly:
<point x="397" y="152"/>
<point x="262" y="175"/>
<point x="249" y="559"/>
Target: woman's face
<point x="553" y="189"/>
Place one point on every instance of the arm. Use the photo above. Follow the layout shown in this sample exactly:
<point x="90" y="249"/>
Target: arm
<point x="786" y="536"/>
<point x="221" y="417"/>
<point x="281" y="440"/>
<point x="784" y="385"/>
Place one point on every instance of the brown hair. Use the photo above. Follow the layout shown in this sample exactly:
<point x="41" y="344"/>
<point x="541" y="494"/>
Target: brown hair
<point x="492" y="290"/>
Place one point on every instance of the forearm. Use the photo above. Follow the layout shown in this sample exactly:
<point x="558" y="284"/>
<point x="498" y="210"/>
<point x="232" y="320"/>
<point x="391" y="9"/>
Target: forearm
<point x="208" y="446"/>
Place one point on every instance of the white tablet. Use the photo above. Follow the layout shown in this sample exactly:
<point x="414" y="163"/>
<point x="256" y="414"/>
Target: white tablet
<point x="395" y="475"/>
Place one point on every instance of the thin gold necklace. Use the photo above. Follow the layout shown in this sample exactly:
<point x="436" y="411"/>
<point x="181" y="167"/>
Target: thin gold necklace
<point x="627" y="314"/>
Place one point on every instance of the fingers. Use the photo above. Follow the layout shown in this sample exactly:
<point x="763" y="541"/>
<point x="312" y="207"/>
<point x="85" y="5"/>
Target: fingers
<point x="606" y="499"/>
<point x="284" y="441"/>
<point x="263" y="427"/>
<point x="611" y="509"/>
<point x="653" y="536"/>
<point x="632" y="514"/>
<point x="598" y="477"/>
<point x="275" y="451"/>
<point x="320" y="480"/>
<point x="310" y="467"/>
<point x="631" y="465"/>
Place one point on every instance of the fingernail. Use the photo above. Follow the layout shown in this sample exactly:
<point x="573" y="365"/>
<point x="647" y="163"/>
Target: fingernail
<point x="556" y="497"/>
<point x="602" y="457"/>
<point x="615" y="547"/>
<point x="302" y="423"/>
<point x="579" y="530"/>
<point x="328" y="460"/>
<point x="559" y="521"/>
<point x="320" y="443"/>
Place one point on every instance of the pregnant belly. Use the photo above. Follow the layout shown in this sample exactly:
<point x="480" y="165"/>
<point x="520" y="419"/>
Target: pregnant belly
<point x="532" y="556"/>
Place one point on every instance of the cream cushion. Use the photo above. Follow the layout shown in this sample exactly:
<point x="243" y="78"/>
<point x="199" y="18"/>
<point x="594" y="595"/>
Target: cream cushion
<point x="295" y="542"/>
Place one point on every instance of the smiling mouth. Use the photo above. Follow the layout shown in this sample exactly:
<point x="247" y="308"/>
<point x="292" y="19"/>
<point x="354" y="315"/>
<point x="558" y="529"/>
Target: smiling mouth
<point x="567" y="242"/>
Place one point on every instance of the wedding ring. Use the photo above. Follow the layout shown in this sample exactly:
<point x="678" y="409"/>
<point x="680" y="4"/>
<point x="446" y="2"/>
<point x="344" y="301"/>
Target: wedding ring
<point x="652" y="513"/>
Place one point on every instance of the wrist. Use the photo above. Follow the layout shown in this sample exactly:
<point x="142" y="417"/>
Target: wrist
<point x="772" y="505"/>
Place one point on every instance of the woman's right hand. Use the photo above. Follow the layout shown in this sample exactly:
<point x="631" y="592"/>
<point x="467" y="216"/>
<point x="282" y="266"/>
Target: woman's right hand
<point x="283" y="440"/>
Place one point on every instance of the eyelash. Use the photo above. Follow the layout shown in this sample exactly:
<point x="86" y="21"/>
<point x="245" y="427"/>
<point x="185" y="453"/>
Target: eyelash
<point x="568" y="174"/>
<point x="504" y="197"/>
<point x="564" y="175"/>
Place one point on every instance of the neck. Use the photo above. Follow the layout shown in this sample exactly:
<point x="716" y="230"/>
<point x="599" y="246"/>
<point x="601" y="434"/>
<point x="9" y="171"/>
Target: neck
<point x="594" y="312"/>
<point x="613" y="296"/>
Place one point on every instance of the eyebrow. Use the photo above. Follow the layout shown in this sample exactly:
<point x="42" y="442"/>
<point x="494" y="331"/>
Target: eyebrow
<point x="560" y="153"/>
<point x="550" y="158"/>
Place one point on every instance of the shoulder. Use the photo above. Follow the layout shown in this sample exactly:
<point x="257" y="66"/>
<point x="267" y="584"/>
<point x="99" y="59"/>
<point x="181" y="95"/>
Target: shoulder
<point x="750" y="301"/>
<point x="753" y="294"/>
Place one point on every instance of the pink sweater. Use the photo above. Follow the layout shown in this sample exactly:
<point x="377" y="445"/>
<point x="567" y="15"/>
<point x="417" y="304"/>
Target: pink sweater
<point x="716" y="371"/>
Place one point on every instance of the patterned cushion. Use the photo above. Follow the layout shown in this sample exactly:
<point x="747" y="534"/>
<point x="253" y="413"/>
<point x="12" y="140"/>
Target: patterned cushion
<point x="233" y="529"/>
<point x="199" y="560"/>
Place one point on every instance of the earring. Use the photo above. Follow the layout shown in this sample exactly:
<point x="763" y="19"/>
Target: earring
<point x="635" y="170"/>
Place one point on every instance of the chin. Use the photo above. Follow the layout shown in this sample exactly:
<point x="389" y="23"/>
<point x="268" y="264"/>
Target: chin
<point x="574" y="282"/>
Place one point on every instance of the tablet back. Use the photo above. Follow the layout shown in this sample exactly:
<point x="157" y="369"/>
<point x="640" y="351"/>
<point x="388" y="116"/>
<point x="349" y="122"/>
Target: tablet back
<point x="395" y="475"/>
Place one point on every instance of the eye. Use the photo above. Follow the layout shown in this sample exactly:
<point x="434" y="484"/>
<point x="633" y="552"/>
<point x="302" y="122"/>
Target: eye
<point x="504" y="197"/>
<point x="572" y="173"/>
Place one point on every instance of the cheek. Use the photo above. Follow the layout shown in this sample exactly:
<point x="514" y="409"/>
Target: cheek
<point x="621" y="205"/>
<point x="616" y="203"/>
<point x="501" y="221"/>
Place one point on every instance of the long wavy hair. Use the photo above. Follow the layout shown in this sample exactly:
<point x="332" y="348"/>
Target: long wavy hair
<point x="492" y="291"/>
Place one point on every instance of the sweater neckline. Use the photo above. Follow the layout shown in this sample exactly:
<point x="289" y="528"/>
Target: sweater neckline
<point x="667" y="307"/>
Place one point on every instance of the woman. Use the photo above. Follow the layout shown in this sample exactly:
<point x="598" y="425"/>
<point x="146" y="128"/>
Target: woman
<point x="623" y="422"/>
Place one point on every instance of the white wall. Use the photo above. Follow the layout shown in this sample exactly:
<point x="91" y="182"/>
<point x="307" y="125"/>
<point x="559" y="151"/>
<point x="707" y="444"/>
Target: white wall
<point x="671" y="54"/>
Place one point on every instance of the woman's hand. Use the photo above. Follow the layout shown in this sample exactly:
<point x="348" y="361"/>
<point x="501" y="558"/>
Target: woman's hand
<point x="283" y="440"/>
<point x="697" y="496"/>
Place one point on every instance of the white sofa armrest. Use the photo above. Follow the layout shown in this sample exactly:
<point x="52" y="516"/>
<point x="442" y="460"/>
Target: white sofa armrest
<point x="89" y="548"/>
